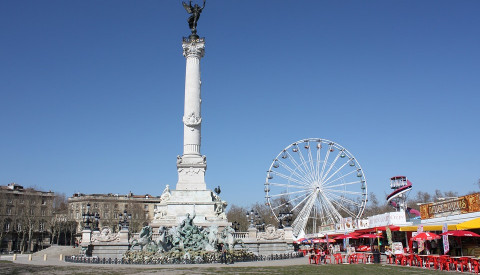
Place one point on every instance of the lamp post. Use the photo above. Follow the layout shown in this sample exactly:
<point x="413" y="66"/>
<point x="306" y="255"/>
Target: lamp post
<point x="252" y="217"/>
<point x="260" y="226"/>
<point x="285" y="216"/>
<point x="96" y="221"/>
<point x="87" y="217"/>
<point x="235" y="225"/>
<point x="123" y="219"/>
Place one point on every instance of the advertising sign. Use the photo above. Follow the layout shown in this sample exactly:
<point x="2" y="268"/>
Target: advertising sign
<point x="421" y="244"/>
<point x="387" y="219"/>
<point x="446" y="245"/>
<point x="460" y="205"/>
<point x="397" y="248"/>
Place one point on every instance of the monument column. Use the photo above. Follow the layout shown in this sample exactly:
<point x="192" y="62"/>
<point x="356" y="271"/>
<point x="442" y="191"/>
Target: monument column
<point x="192" y="165"/>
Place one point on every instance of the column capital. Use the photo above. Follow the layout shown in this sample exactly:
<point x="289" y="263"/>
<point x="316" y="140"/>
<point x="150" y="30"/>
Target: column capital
<point x="193" y="47"/>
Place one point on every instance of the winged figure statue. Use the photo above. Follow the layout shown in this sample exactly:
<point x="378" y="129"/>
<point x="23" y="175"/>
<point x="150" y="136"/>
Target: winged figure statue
<point x="195" y="12"/>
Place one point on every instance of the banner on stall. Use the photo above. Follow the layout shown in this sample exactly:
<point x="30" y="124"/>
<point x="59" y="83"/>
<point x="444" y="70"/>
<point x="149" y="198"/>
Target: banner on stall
<point x="446" y="245"/>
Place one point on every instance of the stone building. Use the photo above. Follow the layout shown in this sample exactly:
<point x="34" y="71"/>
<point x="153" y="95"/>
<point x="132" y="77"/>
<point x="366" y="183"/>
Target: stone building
<point x="25" y="216"/>
<point x="110" y="206"/>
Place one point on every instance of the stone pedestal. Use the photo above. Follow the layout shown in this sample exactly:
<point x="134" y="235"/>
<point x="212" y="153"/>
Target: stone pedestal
<point x="123" y="235"/>
<point x="288" y="233"/>
<point x="203" y="203"/>
<point x="86" y="237"/>
<point x="252" y="233"/>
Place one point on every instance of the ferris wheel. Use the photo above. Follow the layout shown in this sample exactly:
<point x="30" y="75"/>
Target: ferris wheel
<point x="319" y="181"/>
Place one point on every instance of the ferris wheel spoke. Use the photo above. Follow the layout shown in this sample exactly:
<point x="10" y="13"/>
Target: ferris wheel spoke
<point x="297" y="165"/>
<point x="331" y="166"/>
<point x="290" y="179"/>
<point x="305" y="164"/>
<point x="348" y="211"/>
<point x="289" y="193"/>
<point x="342" y="184"/>
<point x="291" y="201"/>
<point x="339" y="178"/>
<point x="306" y="197"/>
<point x="318" y="161"/>
<point x="348" y="201"/>
<point x="343" y="191"/>
<point x="288" y="185"/>
<point x="334" y="173"/>
<point x="333" y="211"/>
<point x="310" y="160"/>
<point x="322" y="213"/>
<point x="302" y="218"/>
<point x="292" y="171"/>
<point x="326" y="160"/>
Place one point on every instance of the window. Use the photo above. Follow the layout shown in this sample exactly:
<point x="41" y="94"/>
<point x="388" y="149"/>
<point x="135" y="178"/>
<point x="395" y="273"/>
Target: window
<point x="31" y="211"/>
<point x="146" y="216"/>
<point x="43" y="212"/>
<point x="145" y="207"/>
<point x="42" y="226"/>
<point x="44" y="201"/>
<point x="95" y="205"/>
<point x="19" y="227"/>
<point x="116" y="206"/>
<point x="115" y="215"/>
<point x="7" y="225"/>
<point x="78" y="215"/>
<point x="10" y="201"/>
<point x="105" y="205"/>
<point x="9" y="211"/>
<point x="22" y="201"/>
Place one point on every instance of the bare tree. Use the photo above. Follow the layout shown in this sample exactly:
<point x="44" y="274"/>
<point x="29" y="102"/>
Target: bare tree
<point x="237" y="214"/>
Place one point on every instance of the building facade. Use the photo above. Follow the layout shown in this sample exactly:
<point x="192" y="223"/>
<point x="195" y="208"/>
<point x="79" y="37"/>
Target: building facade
<point x="25" y="217"/>
<point x="110" y="207"/>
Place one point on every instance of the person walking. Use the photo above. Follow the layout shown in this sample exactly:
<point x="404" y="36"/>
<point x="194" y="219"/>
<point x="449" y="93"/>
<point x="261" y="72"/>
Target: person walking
<point x="224" y="254"/>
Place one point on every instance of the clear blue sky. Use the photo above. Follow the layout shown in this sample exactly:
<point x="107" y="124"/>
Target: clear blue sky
<point x="91" y="92"/>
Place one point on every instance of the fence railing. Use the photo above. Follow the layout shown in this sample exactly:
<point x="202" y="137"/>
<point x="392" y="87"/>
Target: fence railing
<point x="247" y="258"/>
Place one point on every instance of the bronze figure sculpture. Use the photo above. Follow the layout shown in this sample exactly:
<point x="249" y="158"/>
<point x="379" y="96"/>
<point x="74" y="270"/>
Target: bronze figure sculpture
<point x="195" y="12"/>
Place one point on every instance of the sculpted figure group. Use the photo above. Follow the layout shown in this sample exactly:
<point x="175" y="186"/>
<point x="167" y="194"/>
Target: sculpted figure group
<point x="186" y="237"/>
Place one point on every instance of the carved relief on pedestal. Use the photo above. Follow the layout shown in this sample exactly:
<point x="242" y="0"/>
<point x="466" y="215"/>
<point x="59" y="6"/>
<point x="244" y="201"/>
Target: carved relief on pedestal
<point x="190" y="171"/>
<point x="271" y="233"/>
<point x="105" y="235"/>
<point x="192" y="120"/>
<point x="160" y="213"/>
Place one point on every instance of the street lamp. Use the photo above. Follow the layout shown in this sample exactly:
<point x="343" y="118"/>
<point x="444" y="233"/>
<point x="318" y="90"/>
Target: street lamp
<point x="235" y="225"/>
<point x="252" y="216"/>
<point x="123" y="222"/>
<point x="87" y="217"/>
<point x="285" y="216"/>
<point x="96" y="223"/>
<point x="260" y="226"/>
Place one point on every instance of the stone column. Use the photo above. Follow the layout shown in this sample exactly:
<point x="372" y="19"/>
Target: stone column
<point x="192" y="165"/>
